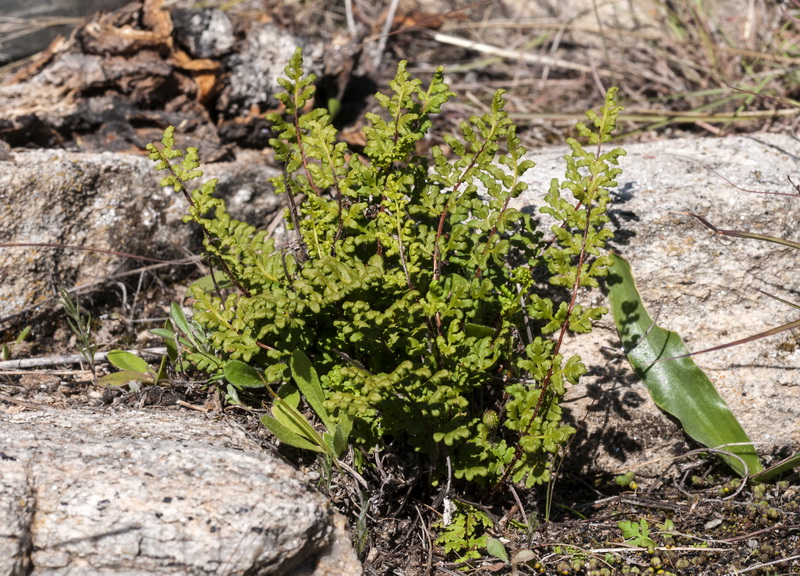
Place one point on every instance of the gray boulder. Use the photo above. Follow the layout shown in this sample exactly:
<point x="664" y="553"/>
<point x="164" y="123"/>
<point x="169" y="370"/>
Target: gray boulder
<point x="702" y="285"/>
<point x="73" y="204"/>
<point x="141" y="493"/>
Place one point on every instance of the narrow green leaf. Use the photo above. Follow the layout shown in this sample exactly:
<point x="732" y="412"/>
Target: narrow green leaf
<point x="294" y="422"/>
<point x="286" y="436"/>
<point x="676" y="385"/>
<point x="478" y="331"/>
<point x="190" y="345"/>
<point x="329" y="440"/>
<point x="306" y="379"/>
<point x="162" y="375"/>
<point x="170" y="340"/>
<point x="23" y="334"/>
<point x="242" y="375"/>
<point x="164" y="333"/>
<point x="178" y="317"/>
<point x="127" y="361"/>
<point x="292" y="418"/>
<point x="124" y="377"/>
<point x="784" y="465"/>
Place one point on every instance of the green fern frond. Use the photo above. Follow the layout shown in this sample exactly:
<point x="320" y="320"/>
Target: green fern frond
<point x="411" y="282"/>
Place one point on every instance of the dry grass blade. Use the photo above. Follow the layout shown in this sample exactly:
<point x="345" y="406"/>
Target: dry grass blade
<point x="512" y="54"/>
<point x="740" y="234"/>
<point x="11" y="28"/>
<point x="753" y="338"/>
<point x="83" y="249"/>
<point x="705" y="69"/>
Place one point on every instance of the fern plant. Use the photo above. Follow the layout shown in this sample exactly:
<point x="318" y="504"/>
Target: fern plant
<point x="411" y="284"/>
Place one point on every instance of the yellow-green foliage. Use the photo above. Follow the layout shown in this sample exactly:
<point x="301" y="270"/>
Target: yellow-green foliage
<point x="411" y="284"/>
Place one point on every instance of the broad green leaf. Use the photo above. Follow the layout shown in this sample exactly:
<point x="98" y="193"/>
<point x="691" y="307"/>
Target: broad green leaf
<point x="242" y="375"/>
<point x="495" y="547"/>
<point x="209" y="282"/>
<point x="345" y="423"/>
<point x="676" y="384"/>
<point x="127" y="361"/>
<point x="523" y="556"/>
<point x="290" y="394"/>
<point x="306" y="379"/>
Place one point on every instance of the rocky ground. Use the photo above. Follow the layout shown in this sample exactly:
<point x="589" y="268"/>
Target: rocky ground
<point x="674" y="62"/>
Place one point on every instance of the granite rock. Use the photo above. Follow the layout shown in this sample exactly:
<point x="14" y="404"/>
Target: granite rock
<point x="699" y="284"/>
<point x="139" y="493"/>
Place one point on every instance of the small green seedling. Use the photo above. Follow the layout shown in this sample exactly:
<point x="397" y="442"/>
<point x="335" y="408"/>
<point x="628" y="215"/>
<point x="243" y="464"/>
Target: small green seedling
<point x="80" y="323"/>
<point x="287" y="423"/>
<point x="463" y="531"/>
<point x="187" y="342"/>
<point x="667" y="531"/>
<point x="637" y="533"/>
<point x="132" y="370"/>
<point x="627" y="480"/>
<point x="8" y="348"/>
